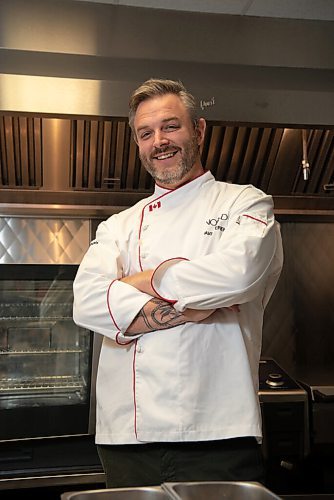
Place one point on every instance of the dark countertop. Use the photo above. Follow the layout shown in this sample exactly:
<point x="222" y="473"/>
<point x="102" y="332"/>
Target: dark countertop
<point x="309" y="496"/>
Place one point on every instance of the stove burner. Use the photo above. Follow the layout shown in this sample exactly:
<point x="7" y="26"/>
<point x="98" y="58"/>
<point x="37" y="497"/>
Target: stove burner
<point x="275" y="380"/>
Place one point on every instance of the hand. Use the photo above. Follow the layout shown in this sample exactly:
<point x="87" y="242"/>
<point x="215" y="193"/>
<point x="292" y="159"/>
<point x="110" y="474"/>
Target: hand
<point x="197" y="315"/>
<point x="141" y="281"/>
<point x="234" y="308"/>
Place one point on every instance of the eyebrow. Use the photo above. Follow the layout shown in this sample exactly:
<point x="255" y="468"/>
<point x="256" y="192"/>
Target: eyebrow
<point x="165" y="120"/>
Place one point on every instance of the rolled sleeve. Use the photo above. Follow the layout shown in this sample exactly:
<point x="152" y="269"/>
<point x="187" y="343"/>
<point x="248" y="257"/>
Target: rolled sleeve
<point x="162" y="282"/>
<point x="102" y="303"/>
<point x="124" y="303"/>
<point x="235" y="272"/>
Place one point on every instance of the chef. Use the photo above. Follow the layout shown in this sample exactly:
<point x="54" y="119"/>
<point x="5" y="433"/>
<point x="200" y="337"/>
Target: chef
<point x="177" y="285"/>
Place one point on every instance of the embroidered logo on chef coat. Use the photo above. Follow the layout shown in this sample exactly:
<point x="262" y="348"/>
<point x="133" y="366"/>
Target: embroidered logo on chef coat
<point x="153" y="206"/>
<point x="217" y="223"/>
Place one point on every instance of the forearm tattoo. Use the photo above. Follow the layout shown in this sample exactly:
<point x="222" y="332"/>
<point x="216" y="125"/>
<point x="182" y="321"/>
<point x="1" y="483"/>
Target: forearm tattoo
<point x="162" y="315"/>
<point x="155" y="315"/>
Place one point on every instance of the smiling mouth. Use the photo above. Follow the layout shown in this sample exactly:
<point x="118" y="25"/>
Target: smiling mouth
<point x="165" y="156"/>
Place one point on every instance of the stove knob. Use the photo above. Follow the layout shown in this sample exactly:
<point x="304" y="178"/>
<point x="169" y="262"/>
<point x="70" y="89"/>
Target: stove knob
<point x="275" y="380"/>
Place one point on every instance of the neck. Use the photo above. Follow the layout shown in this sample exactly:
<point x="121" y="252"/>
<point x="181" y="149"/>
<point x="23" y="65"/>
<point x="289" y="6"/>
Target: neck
<point x="185" y="180"/>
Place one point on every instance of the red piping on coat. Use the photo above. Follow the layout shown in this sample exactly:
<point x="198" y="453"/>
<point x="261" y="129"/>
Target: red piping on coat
<point x="153" y="201"/>
<point x="113" y="319"/>
<point x="254" y="218"/>
<point x="141" y="224"/>
<point x="134" y="387"/>
<point x="141" y="268"/>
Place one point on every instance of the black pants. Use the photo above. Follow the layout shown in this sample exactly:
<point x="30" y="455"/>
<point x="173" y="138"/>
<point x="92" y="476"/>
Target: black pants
<point x="152" y="464"/>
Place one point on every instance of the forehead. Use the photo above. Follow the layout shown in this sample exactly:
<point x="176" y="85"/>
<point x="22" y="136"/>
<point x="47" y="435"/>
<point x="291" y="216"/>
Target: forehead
<point x="160" y="108"/>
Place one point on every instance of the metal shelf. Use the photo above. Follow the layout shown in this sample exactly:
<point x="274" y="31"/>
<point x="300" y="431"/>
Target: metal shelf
<point x="41" y="351"/>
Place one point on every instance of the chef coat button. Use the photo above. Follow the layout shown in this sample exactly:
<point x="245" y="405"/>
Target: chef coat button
<point x="145" y="227"/>
<point x="139" y="348"/>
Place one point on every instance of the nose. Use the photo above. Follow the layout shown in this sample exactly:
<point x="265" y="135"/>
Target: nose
<point x="160" y="139"/>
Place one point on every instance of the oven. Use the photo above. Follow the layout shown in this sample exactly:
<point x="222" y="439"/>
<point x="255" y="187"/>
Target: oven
<point x="285" y="420"/>
<point x="45" y="359"/>
<point x="318" y="381"/>
<point x="47" y="362"/>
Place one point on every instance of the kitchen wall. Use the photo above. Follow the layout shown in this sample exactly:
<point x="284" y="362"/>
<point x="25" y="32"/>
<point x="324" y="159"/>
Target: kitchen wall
<point x="82" y="58"/>
<point x="299" y="320"/>
<point x="85" y="58"/>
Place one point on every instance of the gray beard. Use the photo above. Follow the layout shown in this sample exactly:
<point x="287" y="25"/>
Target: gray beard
<point x="184" y="165"/>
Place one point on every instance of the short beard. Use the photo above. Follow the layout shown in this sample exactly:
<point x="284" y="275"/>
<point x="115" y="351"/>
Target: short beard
<point x="188" y="158"/>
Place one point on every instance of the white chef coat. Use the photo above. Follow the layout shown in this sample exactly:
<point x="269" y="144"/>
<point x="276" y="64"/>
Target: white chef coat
<point x="213" y="245"/>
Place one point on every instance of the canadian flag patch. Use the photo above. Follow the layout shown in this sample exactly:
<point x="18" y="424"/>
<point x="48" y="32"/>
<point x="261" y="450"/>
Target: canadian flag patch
<point x="153" y="206"/>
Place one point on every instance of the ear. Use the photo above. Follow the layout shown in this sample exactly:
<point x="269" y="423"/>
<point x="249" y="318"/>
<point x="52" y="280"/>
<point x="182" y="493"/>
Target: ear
<point x="201" y="126"/>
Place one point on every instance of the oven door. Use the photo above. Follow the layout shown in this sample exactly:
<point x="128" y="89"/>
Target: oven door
<point x="45" y="359"/>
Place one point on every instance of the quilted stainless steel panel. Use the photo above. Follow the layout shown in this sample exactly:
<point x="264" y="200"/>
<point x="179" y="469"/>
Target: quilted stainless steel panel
<point x="43" y="241"/>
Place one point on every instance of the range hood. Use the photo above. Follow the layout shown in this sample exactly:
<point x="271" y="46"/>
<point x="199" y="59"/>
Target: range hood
<point x="64" y="88"/>
<point x="95" y="162"/>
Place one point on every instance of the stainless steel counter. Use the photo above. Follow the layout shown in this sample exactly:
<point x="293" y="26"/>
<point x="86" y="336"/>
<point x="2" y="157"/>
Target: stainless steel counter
<point x="208" y="490"/>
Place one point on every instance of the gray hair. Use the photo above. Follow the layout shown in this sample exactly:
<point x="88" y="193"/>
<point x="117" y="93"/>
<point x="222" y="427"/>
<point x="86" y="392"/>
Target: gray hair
<point x="157" y="87"/>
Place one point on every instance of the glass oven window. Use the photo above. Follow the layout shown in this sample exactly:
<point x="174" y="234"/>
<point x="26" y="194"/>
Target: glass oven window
<point x="44" y="356"/>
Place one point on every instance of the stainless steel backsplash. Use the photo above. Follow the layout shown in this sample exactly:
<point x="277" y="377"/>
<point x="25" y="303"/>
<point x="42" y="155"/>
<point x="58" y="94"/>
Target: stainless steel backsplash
<point x="43" y="240"/>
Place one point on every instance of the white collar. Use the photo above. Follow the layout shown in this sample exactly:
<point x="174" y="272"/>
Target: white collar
<point x="188" y="186"/>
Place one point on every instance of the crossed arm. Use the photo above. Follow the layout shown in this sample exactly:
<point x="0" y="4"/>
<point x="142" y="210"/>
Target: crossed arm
<point x="158" y="314"/>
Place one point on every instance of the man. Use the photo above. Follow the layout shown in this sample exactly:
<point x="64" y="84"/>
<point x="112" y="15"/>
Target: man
<point x="177" y="284"/>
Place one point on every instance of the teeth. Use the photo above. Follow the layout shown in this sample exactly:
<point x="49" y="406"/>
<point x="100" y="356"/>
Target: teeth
<point x="165" y="156"/>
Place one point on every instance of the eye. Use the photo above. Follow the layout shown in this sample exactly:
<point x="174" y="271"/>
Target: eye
<point x="171" y="127"/>
<point x="145" y="135"/>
